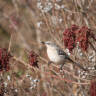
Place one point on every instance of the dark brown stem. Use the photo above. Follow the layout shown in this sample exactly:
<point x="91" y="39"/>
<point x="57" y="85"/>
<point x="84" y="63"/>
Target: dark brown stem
<point x="92" y="46"/>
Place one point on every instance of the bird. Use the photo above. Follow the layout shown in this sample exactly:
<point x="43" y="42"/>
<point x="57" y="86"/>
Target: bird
<point x="58" y="56"/>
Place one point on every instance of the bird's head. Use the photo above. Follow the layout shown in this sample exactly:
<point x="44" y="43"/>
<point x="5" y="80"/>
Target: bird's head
<point x="49" y="44"/>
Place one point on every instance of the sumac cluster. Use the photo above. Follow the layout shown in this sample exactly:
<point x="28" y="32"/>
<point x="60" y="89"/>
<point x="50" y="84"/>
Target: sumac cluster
<point x="4" y="59"/>
<point x="33" y="59"/>
<point x="93" y="88"/>
<point x="77" y="34"/>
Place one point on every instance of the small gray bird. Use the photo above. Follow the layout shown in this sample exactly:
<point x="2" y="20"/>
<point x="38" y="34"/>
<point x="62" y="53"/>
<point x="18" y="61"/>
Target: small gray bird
<point x="57" y="55"/>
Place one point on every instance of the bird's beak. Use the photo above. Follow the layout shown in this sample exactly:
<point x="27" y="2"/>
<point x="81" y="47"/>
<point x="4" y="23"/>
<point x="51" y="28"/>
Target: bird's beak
<point x="42" y="42"/>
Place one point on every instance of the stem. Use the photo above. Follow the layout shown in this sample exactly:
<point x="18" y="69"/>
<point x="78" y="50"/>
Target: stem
<point x="92" y="46"/>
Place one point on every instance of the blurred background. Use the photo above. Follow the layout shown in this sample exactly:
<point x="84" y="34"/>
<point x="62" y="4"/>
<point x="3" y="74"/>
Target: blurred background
<point x="23" y="25"/>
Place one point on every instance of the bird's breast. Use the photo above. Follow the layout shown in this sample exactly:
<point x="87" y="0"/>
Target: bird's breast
<point x="53" y="55"/>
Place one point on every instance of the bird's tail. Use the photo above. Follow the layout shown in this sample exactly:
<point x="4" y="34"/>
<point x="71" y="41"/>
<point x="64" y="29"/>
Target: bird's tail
<point x="77" y="64"/>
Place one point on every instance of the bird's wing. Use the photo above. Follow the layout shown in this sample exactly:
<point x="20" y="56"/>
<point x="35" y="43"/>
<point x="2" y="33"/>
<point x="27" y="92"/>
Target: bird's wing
<point x="61" y="52"/>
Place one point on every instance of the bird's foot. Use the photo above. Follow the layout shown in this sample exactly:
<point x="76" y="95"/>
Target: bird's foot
<point x="49" y="62"/>
<point x="61" y="67"/>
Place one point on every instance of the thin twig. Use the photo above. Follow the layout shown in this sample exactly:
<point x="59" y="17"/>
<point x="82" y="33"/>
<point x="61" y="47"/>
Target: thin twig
<point x="92" y="46"/>
<point x="10" y="43"/>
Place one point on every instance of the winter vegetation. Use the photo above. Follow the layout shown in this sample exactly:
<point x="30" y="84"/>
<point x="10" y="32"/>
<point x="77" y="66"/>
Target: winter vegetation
<point x="24" y="68"/>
